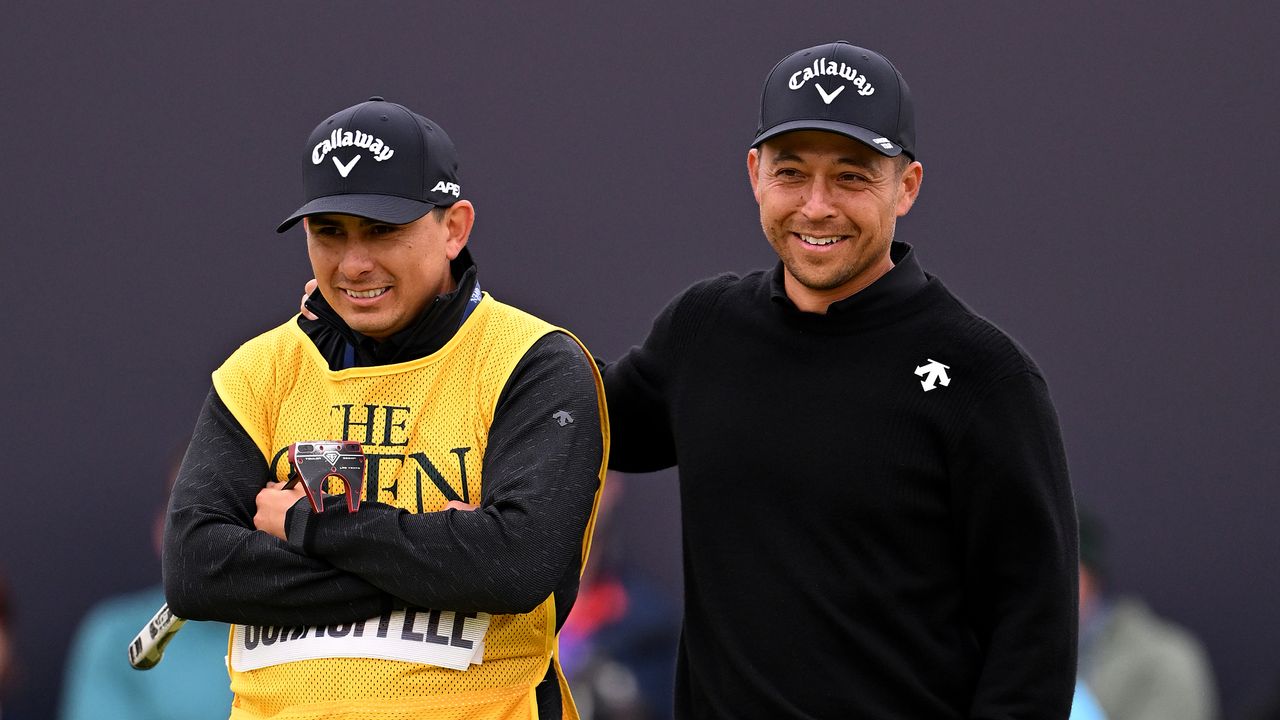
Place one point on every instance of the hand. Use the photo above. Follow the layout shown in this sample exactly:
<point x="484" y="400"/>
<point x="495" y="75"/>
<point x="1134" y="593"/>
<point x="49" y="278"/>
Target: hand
<point x="459" y="505"/>
<point x="273" y="504"/>
<point x="307" y="289"/>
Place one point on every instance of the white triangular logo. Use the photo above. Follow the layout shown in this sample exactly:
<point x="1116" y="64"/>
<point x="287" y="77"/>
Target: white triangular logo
<point x="345" y="170"/>
<point x="934" y="374"/>
<point x="828" y="97"/>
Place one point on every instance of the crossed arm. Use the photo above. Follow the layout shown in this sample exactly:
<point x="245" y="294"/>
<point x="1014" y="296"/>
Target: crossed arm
<point x="238" y="549"/>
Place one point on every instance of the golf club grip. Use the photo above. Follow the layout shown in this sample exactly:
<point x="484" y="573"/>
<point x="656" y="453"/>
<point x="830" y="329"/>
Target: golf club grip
<point x="147" y="648"/>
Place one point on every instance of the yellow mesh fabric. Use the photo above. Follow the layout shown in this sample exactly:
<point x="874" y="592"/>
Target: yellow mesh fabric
<point x="422" y="423"/>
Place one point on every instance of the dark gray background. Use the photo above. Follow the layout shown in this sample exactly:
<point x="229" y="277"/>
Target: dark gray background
<point x="1099" y="182"/>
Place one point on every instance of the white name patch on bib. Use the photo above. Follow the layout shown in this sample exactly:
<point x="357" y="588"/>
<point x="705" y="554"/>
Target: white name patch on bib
<point x="429" y="637"/>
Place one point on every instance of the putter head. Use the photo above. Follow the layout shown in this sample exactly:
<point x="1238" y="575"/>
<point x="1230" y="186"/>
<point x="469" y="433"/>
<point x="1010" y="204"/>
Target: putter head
<point x="315" y="461"/>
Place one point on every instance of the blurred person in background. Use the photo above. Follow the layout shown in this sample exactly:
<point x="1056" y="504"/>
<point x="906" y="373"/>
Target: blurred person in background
<point x="618" y="647"/>
<point x="1137" y="664"/>
<point x="190" y="684"/>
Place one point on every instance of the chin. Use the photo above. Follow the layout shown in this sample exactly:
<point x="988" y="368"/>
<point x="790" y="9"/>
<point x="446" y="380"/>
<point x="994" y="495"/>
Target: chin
<point x="369" y="327"/>
<point x="819" y="281"/>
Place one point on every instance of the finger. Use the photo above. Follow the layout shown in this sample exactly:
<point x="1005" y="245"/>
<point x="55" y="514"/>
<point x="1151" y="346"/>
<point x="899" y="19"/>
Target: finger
<point x="298" y="489"/>
<point x="302" y="307"/>
<point x="307" y="289"/>
<point x="459" y="505"/>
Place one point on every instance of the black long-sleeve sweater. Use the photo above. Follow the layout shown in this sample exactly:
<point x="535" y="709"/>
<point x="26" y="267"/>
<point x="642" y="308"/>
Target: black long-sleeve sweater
<point x="522" y="545"/>
<point x="856" y="544"/>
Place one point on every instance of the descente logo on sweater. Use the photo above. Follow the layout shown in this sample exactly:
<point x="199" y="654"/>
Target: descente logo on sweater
<point x="348" y="138"/>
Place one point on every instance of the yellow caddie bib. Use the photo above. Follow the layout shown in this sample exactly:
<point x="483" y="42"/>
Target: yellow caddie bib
<point x="424" y="427"/>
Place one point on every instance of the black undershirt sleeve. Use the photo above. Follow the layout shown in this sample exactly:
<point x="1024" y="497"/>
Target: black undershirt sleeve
<point x="526" y="539"/>
<point x="218" y="567"/>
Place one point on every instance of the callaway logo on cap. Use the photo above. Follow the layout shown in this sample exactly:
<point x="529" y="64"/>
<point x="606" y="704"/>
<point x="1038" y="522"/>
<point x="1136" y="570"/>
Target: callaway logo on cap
<point x="839" y="88"/>
<point x="381" y="161"/>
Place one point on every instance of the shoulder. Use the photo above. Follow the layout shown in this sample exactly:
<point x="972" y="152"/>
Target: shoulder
<point x="269" y="344"/>
<point x="1136" y="627"/>
<point x="250" y="381"/>
<point x="496" y="310"/>
<point x="558" y="349"/>
<point x="975" y="341"/>
<point x="725" y="287"/>
<point x="536" y="341"/>
<point x="689" y="311"/>
<point x="540" y="356"/>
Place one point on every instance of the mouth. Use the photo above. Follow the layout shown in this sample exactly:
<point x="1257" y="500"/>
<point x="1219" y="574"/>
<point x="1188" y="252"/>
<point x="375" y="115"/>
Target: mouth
<point x="819" y="240"/>
<point x="365" y="294"/>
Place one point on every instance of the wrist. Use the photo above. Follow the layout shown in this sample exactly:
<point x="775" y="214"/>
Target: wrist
<point x="299" y="526"/>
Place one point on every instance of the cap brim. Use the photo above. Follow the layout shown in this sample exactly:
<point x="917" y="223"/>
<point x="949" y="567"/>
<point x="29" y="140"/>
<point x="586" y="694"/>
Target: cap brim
<point x="870" y="138"/>
<point x="383" y="208"/>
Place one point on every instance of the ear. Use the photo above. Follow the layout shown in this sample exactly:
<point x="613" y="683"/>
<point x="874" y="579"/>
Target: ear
<point x="458" y="219"/>
<point x="753" y="167"/>
<point x="909" y="186"/>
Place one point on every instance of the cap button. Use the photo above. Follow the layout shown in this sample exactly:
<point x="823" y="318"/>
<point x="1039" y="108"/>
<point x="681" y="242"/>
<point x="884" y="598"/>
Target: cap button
<point x="376" y="98"/>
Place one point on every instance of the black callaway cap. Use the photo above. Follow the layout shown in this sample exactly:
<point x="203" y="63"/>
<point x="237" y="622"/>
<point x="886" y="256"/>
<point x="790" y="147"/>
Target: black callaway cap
<point x="378" y="160"/>
<point x="839" y="88"/>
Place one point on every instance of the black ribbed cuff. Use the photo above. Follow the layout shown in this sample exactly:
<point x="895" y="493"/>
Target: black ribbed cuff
<point x="299" y="530"/>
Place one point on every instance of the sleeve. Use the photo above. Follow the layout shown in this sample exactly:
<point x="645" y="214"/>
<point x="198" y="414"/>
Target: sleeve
<point x="1019" y="533"/>
<point x="217" y="566"/>
<point x="639" y="387"/>
<point x="540" y="483"/>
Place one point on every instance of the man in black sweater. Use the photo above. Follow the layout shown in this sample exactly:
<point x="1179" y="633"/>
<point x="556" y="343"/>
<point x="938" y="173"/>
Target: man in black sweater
<point x="877" y="517"/>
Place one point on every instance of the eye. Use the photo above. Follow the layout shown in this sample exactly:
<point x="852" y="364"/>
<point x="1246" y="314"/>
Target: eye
<point x="787" y="173"/>
<point x="383" y="229"/>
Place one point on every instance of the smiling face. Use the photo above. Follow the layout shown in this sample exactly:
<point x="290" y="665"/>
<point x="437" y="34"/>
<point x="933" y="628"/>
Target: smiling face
<point x="828" y="206"/>
<point x="378" y="276"/>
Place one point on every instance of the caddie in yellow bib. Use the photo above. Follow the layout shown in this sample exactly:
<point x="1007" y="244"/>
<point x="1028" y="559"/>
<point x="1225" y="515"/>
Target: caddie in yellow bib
<point x="484" y="433"/>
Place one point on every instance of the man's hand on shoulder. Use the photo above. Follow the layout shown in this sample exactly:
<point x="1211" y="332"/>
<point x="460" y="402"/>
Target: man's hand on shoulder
<point x="273" y="505"/>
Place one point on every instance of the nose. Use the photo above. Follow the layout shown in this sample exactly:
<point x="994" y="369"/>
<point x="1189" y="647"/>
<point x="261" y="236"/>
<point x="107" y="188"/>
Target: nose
<point x="356" y="258"/>
<point x="818" y="200"/>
